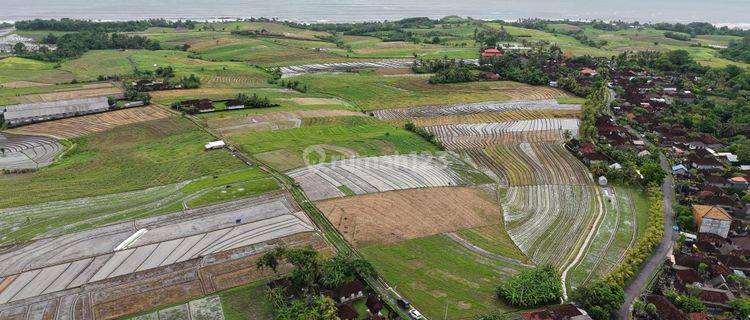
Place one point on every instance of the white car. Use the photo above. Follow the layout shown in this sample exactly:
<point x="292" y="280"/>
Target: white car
<point x="414" y="314"/>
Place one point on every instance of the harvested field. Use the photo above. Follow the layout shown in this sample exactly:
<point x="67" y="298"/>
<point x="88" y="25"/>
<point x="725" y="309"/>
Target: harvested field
<point x="107" y="257"/>
<point x="27" y="152"/>
<point x="614" y="236"/>
<point x="533" y="93"/>
<point x="314" y="101"/>
<point x="270" y="121"/>
<point x="550" y="222"/>
<point x="120" y="296"/>
<point x="56" y="218"/>
<point x="291" y="71"/>
<point x="281" y="159"/>
<point x="88" y="124"/>
<point x="472" y="108"/>
<point x="176" y="94"/>
<point x="377" y="174"/>
<point x="532" y="163"/>
<point x="490" y="117"/>
<point x="269" y="209"/>
<point x="22" y="84"/>
<point x="468" y="136"/>
<point x="394" y="216"/>
<point x="97" y="91"/>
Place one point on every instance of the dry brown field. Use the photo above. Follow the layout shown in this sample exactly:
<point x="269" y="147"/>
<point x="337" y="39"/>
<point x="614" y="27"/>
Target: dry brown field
<point x="84" y="125"/>
<point x="390" y="217"/>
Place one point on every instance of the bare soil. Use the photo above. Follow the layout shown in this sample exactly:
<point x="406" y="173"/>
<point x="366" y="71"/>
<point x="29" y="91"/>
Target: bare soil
<point x="395" y="216"/>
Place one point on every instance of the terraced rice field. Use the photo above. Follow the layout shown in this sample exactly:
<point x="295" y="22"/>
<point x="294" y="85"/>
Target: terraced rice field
<point x="88" y="91"/>
<point x="532" y="164"/>
<point x="56" y="264"/>
<point x="66" y="216"/>
<point x="534" y="216"/>
<point x="21" y="152"/>
<point x="394" y="216"/>
<point x="270" y="121"/>
<point x="378" y="174"/>
<point x="291" y="71"/>
<point x="88" y="124"/>
<point x="473" y="108"/>
<point x="535" y="93"/>
<point x="491" y="117"/>
<point x="618" y="232"/>
<point x="470" y="136"/>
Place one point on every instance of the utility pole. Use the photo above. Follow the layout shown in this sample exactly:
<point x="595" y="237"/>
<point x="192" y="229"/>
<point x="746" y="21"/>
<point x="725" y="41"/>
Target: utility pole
<point x="445" y="317"/>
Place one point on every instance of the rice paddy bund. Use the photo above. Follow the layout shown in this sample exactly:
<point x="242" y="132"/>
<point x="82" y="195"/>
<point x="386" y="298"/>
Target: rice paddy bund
<point x="128" y="205"/>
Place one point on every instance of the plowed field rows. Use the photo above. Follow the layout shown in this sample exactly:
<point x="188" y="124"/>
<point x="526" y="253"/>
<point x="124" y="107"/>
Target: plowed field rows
<point x="472" y="108"/>
<point x="271" y="121"/>
<point x="84" y="125"/>
<point x="550" y="222"/>
<point x="377" y="174"/>
<point x="469" y="136"/>
<point x="490" y="117"/>
<point x="532" y="163"/>
<point x="534" y="93"/>
<point x="394" y="216"/>
<point x="27" y="152"/>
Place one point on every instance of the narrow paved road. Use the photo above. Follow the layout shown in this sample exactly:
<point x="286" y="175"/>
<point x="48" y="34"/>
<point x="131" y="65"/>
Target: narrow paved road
<point x="634" y="289"/>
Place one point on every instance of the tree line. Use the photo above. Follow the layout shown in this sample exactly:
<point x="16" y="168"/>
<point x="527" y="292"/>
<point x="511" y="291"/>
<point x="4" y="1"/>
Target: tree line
<point x="74" y="25"/>
<point x="73" y="45"/>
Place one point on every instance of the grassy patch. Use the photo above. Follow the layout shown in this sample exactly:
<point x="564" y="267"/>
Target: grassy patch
<point x="111" y="62"/>
<point x="433" y="272"/>
<point x="571" y="100"/>
<point x="126" y="158"/>
<point x="365" y="140"/>
<point x="21" y="69"/>
<point x="246" y="302"/>
<point x="346" y="190"/>
<point x="368" y="91"/>
<point x="494" y="239"/>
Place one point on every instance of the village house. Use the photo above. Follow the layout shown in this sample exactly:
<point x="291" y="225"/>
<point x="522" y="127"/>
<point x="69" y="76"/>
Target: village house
<point x="680" y="169"/>
<point x="492" y="52"/>
<point x="704" y="163"/>
<point x="197" y="106"/>
<point x="738" y="183"/>
<point x="234" y="104"/>
<point x="588" y="72"/>
<point x="712" y="219"/>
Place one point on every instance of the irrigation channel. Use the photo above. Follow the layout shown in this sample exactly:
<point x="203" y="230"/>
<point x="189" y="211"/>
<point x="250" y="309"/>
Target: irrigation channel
<point x="330" y="233"/>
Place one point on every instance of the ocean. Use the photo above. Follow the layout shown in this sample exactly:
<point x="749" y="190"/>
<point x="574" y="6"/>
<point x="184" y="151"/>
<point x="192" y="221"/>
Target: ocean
<point x="723" y="12"/>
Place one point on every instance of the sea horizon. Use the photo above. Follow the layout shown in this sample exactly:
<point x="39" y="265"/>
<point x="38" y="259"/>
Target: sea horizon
<point x="728" y="13"/>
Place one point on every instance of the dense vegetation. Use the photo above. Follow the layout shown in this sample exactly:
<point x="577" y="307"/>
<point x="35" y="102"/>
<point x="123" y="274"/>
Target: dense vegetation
<point x="533" y="287"/>
<point x="310" y="273"/>
<point x="67" y="24"/>
<point x="75" y="44"/>
<point x="738" y="50"/>
<point x="600" y="299"/>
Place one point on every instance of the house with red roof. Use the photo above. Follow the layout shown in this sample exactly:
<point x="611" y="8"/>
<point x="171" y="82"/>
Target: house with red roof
<point x="492" y="52"/>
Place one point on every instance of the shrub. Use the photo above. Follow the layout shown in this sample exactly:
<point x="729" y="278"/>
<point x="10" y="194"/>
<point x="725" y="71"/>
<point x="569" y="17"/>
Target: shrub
<point x="534" y="287"/>
<point x="600" y="299"/>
